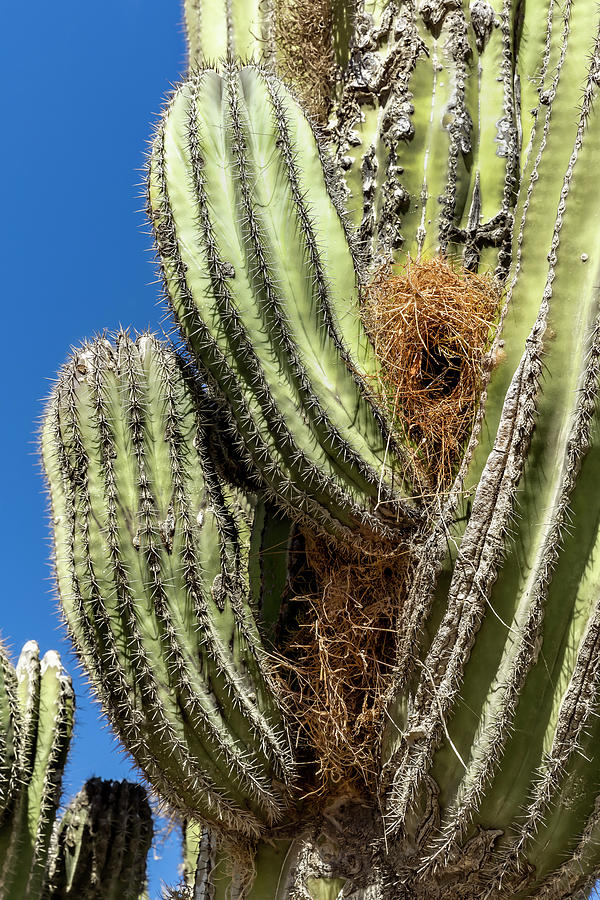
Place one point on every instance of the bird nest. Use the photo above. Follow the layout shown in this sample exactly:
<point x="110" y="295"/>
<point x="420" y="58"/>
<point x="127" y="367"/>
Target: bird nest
<point x="432" y="325"/>
<point x="333" y="663"/>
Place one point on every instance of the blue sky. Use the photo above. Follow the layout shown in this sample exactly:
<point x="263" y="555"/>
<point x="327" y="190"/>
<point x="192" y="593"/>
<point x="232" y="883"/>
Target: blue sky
<point x="82" y="84"/>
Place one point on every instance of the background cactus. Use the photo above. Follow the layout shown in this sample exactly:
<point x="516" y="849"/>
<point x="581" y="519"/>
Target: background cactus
<point x="41" y="857"/>
<point x="36" y="738"/>
<point x="501" y="625"/>
<point x="101" y="843"/>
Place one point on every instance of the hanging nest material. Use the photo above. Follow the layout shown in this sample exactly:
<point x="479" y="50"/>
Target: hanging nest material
<point x="432" y="326"/>
<point x="334" y="663"/>
<point x="304" y="32"/>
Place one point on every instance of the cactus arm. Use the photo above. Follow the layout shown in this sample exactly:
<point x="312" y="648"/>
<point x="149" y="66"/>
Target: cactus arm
<point x="146" y="522"/>
<point x="101" y="844"/>
<point x="9" y="734"/>
<point x="46" y="702"/>
<point x="220" y="293"/>
<point x="538" y="604"/>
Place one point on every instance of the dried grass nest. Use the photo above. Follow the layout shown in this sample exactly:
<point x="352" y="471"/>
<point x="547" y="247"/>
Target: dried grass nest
<point x="432" y="325"/>
<point x="332" y="667"/>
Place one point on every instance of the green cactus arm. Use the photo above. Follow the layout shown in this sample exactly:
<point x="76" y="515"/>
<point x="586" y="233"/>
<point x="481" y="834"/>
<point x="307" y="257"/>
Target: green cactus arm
<point x="100" y="847"/>
<point x="46" y="705"/>
<point x="312" y="364"/>
<point x="139" y="514"/>
<point x="218" y="29"/>
<point x="539" y="621"/>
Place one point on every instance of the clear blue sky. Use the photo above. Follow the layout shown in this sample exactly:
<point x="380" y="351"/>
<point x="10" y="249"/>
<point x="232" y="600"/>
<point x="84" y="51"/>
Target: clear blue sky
<point x="82" y="83"/>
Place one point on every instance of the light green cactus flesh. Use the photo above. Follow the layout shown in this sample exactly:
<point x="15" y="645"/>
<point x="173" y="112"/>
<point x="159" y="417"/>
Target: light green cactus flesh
<point x="100" y="847"/>
<point x="150" y="575"/>
<point x="424" y="130"/>
<point x="218" y="29"/>
<point x="42" y="703"/>
<point x="262" y="279"/>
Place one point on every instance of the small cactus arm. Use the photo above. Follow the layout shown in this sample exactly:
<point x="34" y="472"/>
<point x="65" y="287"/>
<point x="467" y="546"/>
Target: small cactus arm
<point x="38" y="705"/>
<point x="150" y="573"/>
<point x="261" y="275"/>
<point x="100" y="846"/>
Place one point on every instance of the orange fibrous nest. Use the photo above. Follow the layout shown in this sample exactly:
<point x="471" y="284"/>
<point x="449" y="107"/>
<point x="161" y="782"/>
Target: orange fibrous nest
<point x="333" y="667"/>
<point x="432" y="325"/>
<point x="304" y="33"/>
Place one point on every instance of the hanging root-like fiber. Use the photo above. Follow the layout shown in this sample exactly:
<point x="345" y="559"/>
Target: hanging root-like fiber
<point x="304" y="35"/>
<point x="432" y="325"/>
<point x="335" y="657"/>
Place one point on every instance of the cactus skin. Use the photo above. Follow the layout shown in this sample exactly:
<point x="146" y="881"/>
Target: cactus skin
<point x="9" y="735"/>
<point x="100" y="847"/>
<point x="299" y="396"/>
<point x="503" y="719"/>
<point x="42" y="703"/>
<point x="424" y="130"/>
<point x="225" y="28"/>
<point x="149" y="572"/>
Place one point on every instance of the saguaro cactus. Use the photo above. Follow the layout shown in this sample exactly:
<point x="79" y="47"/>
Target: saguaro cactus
<point x="40" y="857"/>
<point x="171" y="490"/>
<point x="37" y="724"/>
